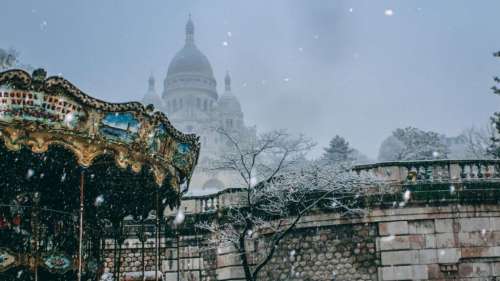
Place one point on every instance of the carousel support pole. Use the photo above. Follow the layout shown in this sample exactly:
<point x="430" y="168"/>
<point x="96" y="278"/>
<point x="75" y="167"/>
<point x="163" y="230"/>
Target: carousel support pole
<point x="157" y="233"/>
<point x="178" y="254"/>
<point x="80" y="237"/>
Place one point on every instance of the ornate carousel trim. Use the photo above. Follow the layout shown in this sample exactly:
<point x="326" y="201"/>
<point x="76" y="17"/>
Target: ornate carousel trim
<point x="36" y="112"/>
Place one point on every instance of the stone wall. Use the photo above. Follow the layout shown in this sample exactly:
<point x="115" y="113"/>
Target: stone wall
<point x="331" y="253"/>
<point x="440" y="248"/>
<point x="452" y="242"/>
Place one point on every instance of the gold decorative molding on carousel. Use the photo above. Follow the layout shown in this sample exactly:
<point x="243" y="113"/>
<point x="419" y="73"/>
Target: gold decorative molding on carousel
<point x="36" y="112"/>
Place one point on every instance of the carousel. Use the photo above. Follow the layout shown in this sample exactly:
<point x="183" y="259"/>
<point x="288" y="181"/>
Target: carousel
<point x="72" y="168"/>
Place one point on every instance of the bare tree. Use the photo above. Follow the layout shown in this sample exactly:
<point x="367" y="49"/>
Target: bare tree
<point x="280" y="188"/>
<point x="478" y="141"/>
<point x="413" y="144"/>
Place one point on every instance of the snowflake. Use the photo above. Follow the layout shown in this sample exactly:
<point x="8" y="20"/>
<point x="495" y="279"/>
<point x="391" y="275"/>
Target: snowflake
<point x="225" y="43"/>
<point x="388" y="12"/>
<point x="179" y="217"/>
<point x="43" y="25"/>
<point x="99" y="200"/>
<point x="30" y="173"/>
<point x="407" y="195"/>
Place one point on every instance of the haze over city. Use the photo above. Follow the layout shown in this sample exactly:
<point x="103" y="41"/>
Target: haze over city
<point x="359" y="69"/>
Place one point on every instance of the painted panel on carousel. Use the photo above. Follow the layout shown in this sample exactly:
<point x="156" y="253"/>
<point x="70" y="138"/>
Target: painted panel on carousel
<point x="181" y="154"/>
<point x="52" y="110"/>
<point x="120" y="126"/>
<point x="7" y="260"/>
<point x="156" y="140"/>
<point x="57" y="263"/>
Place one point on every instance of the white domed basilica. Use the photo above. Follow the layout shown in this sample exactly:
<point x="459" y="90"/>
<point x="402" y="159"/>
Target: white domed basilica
<point x="192" y="104"/>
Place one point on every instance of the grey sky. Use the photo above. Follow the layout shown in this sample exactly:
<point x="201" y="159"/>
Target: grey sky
<point x="317" y="67"/>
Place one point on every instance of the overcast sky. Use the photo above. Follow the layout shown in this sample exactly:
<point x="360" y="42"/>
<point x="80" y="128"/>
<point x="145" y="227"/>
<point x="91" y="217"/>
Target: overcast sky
<point x="359" y="69"/>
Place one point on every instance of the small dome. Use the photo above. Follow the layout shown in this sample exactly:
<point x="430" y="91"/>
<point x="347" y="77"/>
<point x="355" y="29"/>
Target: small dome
<point x="151" y="97"/>
<point x="229" y="103"/>
<point x="213" y="184"/>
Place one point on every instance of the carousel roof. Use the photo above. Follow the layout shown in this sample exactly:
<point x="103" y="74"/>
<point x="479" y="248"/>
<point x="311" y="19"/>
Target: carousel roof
<point x="36" y="112"/>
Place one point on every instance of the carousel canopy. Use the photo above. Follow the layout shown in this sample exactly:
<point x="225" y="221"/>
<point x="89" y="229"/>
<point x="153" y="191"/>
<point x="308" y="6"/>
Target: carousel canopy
<point x="37" y="112"/>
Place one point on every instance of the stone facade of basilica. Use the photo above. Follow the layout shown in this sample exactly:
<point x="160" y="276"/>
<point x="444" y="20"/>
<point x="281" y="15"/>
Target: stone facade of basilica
<point x="192" y="103"/>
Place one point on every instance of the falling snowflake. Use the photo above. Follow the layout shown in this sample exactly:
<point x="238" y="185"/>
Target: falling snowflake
<point x="179" y="217"/>
<point x="301" y="49"/>
<point x="435" y="154"/>
<point x="43" y="25"/>
<point x="292" y="253"/>
<point x="351" y="10"/>
<point x="244" y="84"/>
<point x="225" y="43"/>
<point x="452" y="189"/>
<point x="407" y="195"/>
<point x="68" y="118"/>
<point x="229" y="34"/>
<point x="286" y="79"/>
<point x="388" y="12"/>
<point x="30" y="173"/>
<point x="63" y="177"/>
<point x="99" y="200"/>
<point x="316" y="36"/>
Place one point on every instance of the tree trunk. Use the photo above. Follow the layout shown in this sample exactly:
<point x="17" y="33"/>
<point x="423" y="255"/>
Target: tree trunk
<point x="244" y="259"/>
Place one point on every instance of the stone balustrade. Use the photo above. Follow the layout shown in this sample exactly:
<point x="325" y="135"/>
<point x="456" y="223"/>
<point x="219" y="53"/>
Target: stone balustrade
<point x="439" y="175"/>
<point x="434" y="170"/>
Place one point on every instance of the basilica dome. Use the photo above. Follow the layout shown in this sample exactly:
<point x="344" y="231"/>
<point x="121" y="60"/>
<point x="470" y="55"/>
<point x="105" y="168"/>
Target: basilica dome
<point x="190" y="60"/>
<point x="190" y="69"/>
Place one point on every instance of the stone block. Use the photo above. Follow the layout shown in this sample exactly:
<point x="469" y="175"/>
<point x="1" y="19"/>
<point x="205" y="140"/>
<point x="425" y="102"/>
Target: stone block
<point x="396" y="273"/>
<point x="495" y="223"/>
<point x="427" y="256"/>
<point x="471" y="252"/>
<point x="446" y="240"/>
<point x="393" y="228"/>
<point x="443" y="225"/>
<point x="417" y="241"/>
<point x="421" y="227"/>
<point x="474" y="270"/>
<point x="399" y="257"/>
<point x="393" y="243"/>
<point x="474" y="224"/>
<point x="393" y="273"/>
<point x="475" y="239"/>
<point x="230" y="273"/>
<point x="420" y="272"/>
<point x="449" y="255"/>
<point x="430" y="241"/>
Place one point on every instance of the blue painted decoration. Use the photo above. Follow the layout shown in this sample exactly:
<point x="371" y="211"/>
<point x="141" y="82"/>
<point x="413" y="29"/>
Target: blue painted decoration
<point x="122" y="127"/>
